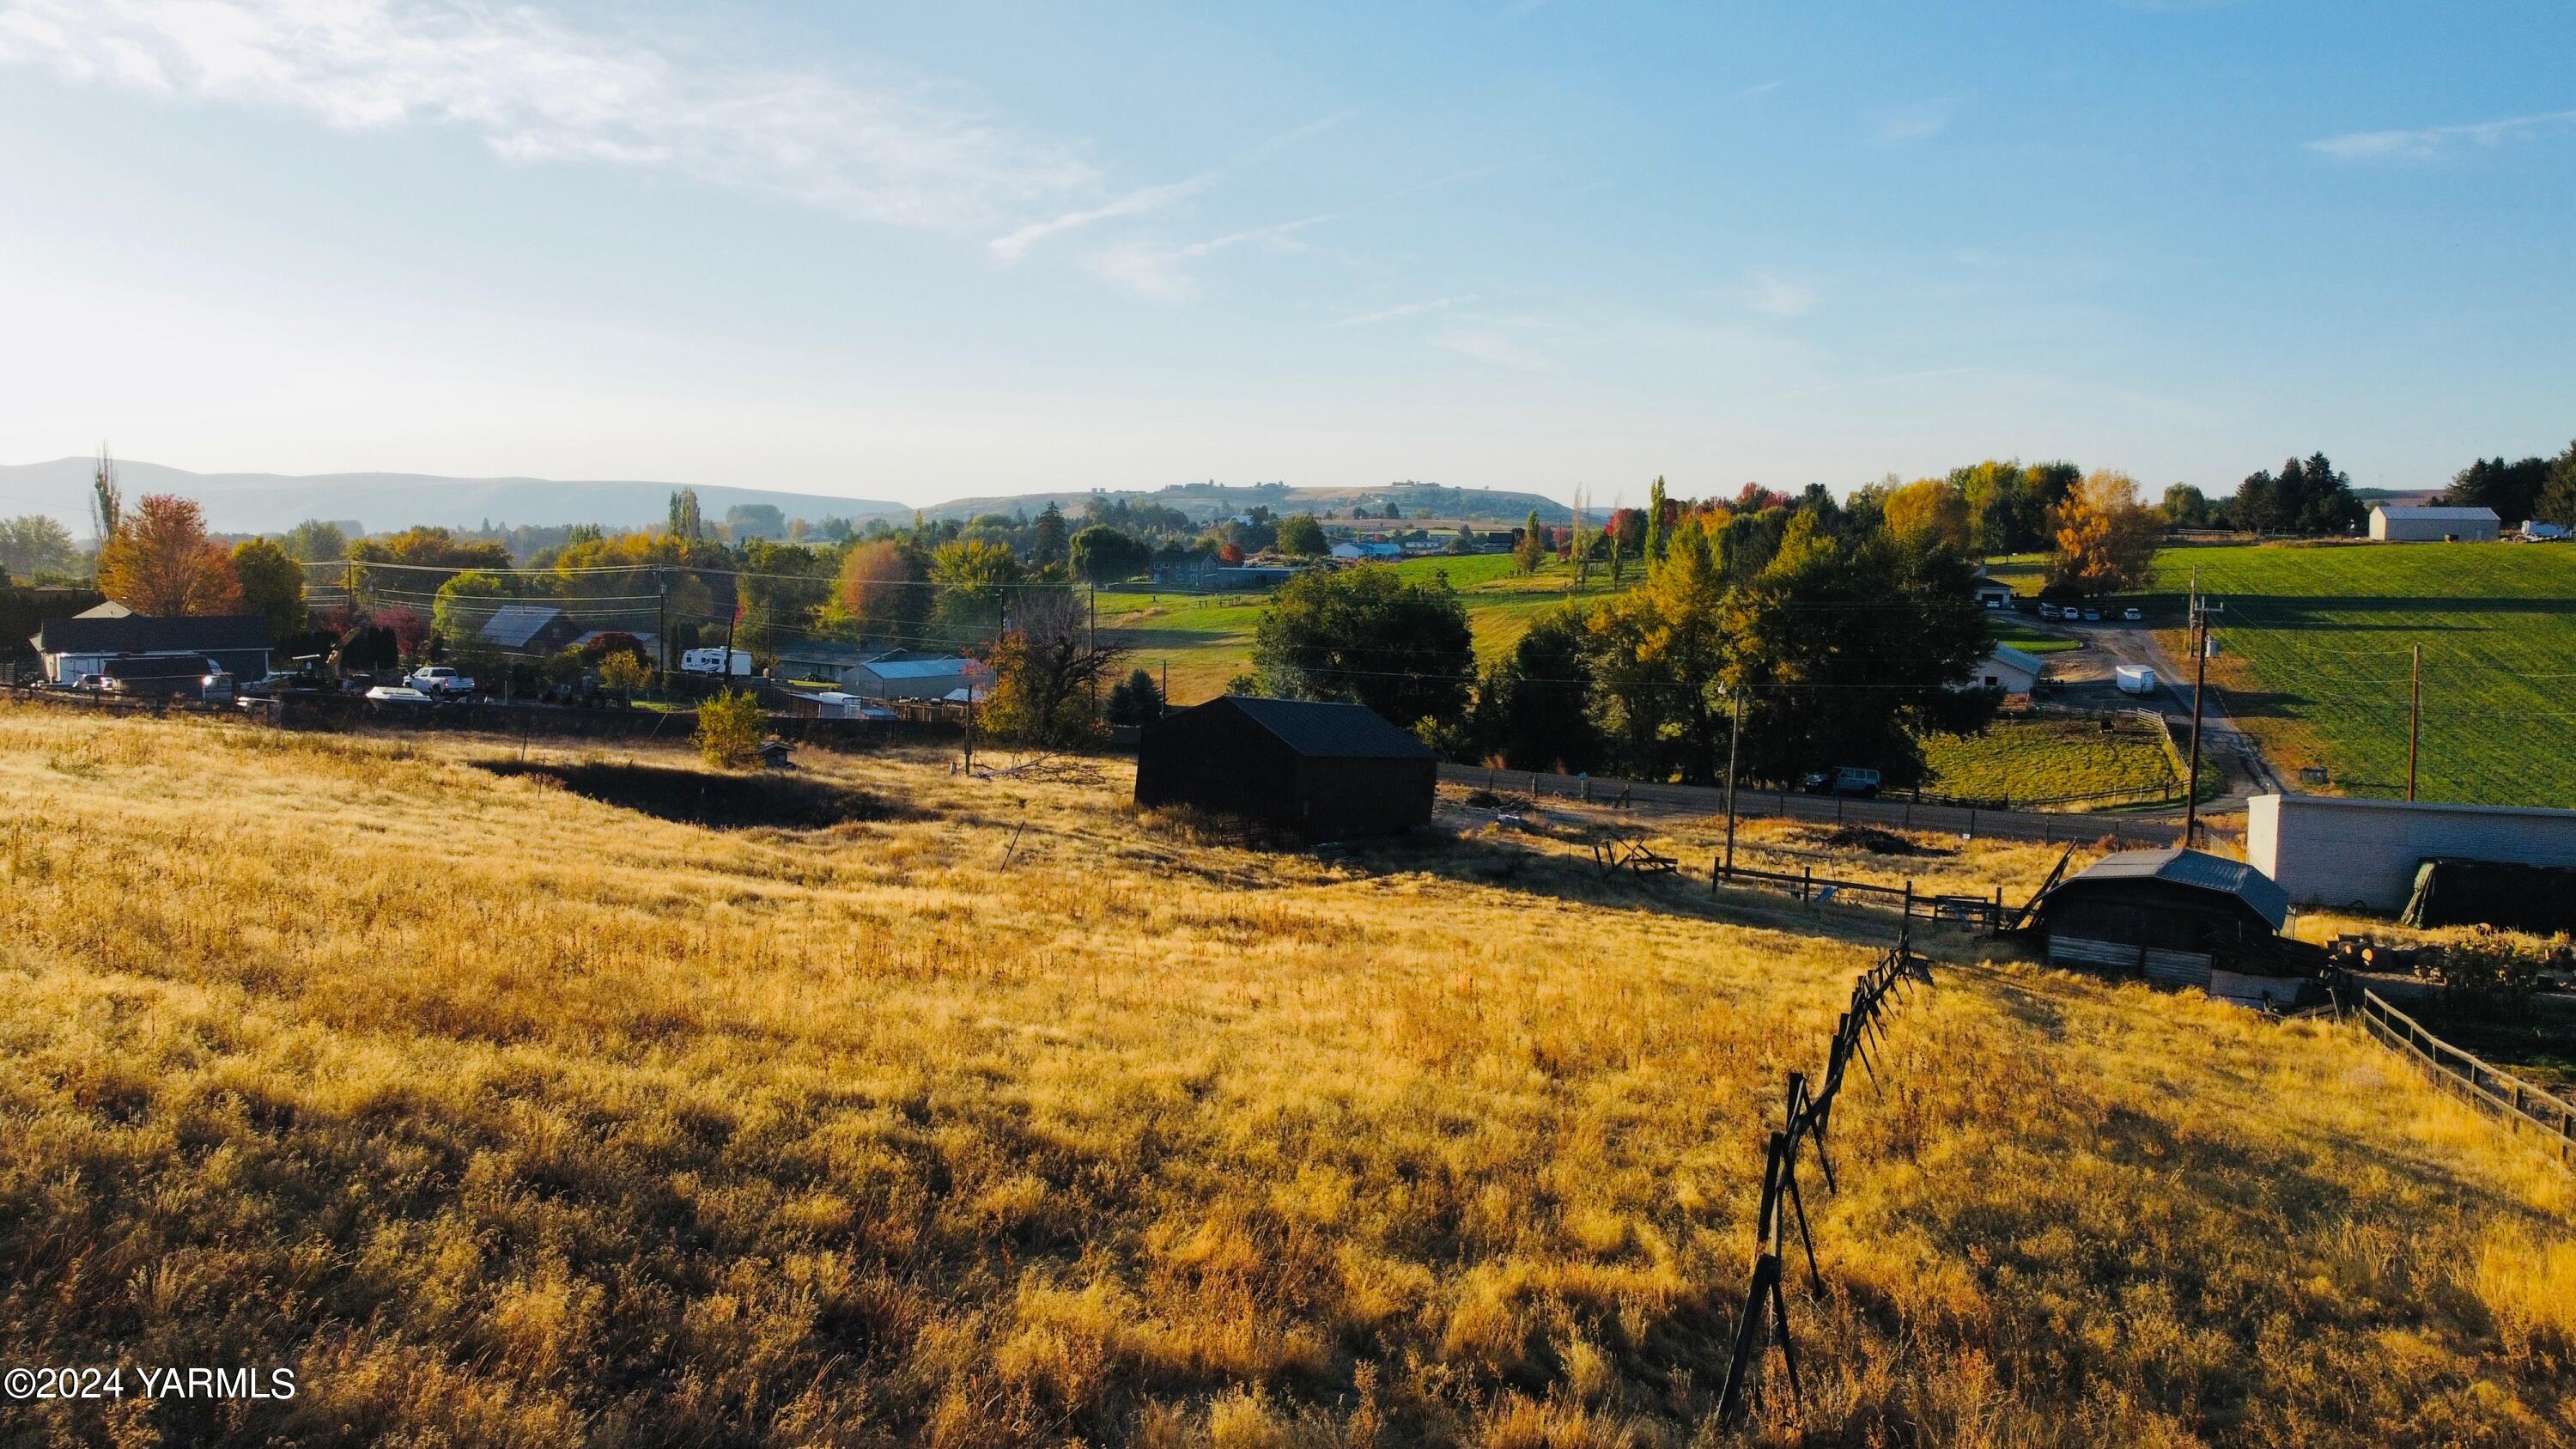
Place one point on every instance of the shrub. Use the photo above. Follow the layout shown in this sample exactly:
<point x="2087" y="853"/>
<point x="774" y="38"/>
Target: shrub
<point x="729" y="730"/>
<point x="628" y="673"/>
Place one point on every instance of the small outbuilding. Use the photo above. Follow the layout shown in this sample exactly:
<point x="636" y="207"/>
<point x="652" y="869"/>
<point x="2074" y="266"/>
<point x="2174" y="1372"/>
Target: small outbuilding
<point x="2010" y="670"/>
<point x="2179" y="917"/>
<point x="1326" y="769"/>
<point x="2409" y="523"/>
<point x="937" y="676"/>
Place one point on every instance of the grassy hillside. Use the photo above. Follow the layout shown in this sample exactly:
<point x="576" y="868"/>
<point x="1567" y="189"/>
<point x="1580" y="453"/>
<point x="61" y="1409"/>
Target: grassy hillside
<point x="508" y="1116"/>
<point x="2315" y="657"/>
<point x="1206" y="639"/>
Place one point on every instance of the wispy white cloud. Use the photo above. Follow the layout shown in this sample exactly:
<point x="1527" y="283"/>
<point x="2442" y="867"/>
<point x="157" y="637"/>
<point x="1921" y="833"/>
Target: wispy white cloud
<point x="2430" y="141"/>
<point x="1504" y="346"/>
<point x="1919" y="121"/>
<point x="538" y="90"/>
<point x="1777" y="296"/>
<point x="1764" y="89"/>
<point x="1399" y="313"/>
<point x="1015" y="245"/>
<point x="1163" y="274"/>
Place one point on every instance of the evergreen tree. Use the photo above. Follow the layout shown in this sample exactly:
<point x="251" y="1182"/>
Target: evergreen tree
<point x="1655" y="524"/>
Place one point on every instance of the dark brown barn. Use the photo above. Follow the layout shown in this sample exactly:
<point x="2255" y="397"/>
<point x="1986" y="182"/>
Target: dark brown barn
<point x="1327" y="770"/>
<point x="2180" y="917"/>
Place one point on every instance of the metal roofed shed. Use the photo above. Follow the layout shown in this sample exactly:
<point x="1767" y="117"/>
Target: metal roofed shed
<point x="1326" y="769"/>
<point x="2180" y="918"/>
<point x="520" y="626"/>
<point x="937" y="677"/>
<point x="2411" y="523"/>
<point x="238" y="643"/>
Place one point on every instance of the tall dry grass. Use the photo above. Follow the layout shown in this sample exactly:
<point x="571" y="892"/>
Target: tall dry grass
<point x="508" y="1117"/>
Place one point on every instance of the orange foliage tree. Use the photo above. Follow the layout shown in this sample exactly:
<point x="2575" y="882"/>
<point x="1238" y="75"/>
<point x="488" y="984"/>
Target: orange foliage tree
<point x="2106" y="538"/>
<point x="160" y="562"/>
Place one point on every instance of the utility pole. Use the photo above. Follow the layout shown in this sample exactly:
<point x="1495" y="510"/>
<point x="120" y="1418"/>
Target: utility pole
<point x="662" y="615"/>
<point x="2414" y="716"/>
<point x="1092" y="644"/>
<point x="1734" y="747"/>
<point x="2199" y="679"/>
<point x="731" y="619"/>
<point x="970" y="726"/>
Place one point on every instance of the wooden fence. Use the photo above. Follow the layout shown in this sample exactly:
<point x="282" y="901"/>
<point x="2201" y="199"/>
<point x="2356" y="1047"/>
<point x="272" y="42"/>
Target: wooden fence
<point x="1809" y="1120"/>
<point x="1987" y="913"/>
<point x="2472" y="1080"/>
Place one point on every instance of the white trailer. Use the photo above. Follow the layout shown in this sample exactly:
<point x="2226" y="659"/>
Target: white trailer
<point x="712" y="661"/>
<point x="2134" y="678"/>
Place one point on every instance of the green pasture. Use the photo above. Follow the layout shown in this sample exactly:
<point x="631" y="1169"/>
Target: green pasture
<point x="1203" y="640"/>
<point x="2048" y="757"/>
<point x="2315" y="650"/>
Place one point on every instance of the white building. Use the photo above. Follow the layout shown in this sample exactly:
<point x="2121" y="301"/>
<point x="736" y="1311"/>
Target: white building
<point x="2409" y="523"/>
<point x="2011" y="670"/>
<point x="2332" y="850"/>
<point x="1360" y="549"/>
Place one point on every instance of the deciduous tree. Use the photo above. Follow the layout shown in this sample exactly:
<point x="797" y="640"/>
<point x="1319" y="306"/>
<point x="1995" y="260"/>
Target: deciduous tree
<point x="272" y="585"/>
<point x="159" y="561"/>
<point x="1370" y="635"/>
<point x="2106" y="539"/>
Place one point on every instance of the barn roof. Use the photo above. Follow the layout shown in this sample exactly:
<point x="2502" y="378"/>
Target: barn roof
<point x="513" y="625"/>
<point x="1323" y="729"/>
<point x="939" y="667"/>
<point x="2197" y="869"/>
<point x="2434" y="514"/>
<point x="143" y="634"/>
<point x="2006" y="654"/>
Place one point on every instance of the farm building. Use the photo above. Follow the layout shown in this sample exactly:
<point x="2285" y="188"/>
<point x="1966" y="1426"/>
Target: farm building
<point x="89" y="644"/>
<point x="936" y="677"/>
<point x="2011" y="670"/>
<point x="2407" y="523"/>
<point x="2366" y="854"/>
<point x="1326" y="769"/>
<point x="528" y="629"/>
<point x="1365" y="549"/>
<point x="821" y="659"/>
<point x="2180" y="917"/>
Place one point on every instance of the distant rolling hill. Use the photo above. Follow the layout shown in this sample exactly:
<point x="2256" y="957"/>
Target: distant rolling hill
<point x="274" y="502"/>
<point x="383" y="502"/>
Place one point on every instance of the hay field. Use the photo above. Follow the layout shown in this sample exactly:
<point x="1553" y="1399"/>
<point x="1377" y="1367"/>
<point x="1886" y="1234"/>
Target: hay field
<point x="507" y="1116"/>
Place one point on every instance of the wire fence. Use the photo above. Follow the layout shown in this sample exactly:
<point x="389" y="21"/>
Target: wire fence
<point x="1809" y="1122"/>
<point x="2470" y="1078"/>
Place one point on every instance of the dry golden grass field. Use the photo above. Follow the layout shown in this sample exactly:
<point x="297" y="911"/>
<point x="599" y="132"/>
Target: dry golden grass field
<point x="505" y="1116"/>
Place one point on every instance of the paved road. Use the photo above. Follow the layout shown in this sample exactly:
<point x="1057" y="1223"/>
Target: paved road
<point x="2222" y="741"/>
<point x="1705" y="800"/>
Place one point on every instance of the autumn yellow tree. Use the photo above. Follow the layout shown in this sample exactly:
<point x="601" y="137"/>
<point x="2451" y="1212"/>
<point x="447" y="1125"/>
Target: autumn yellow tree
<point x="2106" y="538"/>
<point x="1929" y="510"/>
<point x="160" y="562"/>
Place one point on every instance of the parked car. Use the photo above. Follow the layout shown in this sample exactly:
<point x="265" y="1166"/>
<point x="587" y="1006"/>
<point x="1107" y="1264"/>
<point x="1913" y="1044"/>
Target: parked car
<point x="216" y="687"/>
<point x="2132" y="615"/>
<point x="2048" y="611"/>
<point x="400" y="695"/>
<point x="1842" y="780"/>
<point x="440" y="680"/>
<point x="2094" y="615"/>
<point x="94" y="684"/>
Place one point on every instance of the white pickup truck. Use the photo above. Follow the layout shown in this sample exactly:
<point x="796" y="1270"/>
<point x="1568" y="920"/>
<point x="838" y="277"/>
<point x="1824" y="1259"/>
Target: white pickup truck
<point x="440" y="681"/>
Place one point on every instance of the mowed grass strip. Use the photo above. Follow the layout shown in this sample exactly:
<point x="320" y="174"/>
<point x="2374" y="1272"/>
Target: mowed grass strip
<point x="1203" y="640"/>
<point x="2049" y="757"/>
<point x="2316" y="651"/>
<point x="508" y="1116"/>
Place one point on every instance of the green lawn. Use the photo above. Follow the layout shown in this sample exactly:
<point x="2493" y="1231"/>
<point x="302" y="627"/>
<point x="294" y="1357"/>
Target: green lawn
<point x="1203" y="640"/>
<point x="2042" y="758"/>
<point x="2315" y="647"/>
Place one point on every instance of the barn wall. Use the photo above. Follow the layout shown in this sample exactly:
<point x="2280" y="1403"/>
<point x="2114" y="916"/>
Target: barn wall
<point x="1217" y="760"/>
<point x="1366" y="797"/>
<point x="2327" y="850"/>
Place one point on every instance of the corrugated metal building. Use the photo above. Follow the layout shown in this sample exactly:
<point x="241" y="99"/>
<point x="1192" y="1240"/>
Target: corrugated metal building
<point x="2175" y="915"/>
<point x="1322" y="768"/>
<point x="2408" y="523"/>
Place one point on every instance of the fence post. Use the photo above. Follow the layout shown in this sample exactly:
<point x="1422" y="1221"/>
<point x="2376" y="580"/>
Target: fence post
<point x="1807" y="885"/>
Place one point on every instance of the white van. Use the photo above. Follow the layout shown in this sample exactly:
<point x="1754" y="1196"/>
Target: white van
<point x="2134" y="678"/>
<point x="712" y="661"/>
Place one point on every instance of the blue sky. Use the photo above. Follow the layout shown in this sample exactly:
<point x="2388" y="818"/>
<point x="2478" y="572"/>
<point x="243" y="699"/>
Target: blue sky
<point x="922" y="251"/>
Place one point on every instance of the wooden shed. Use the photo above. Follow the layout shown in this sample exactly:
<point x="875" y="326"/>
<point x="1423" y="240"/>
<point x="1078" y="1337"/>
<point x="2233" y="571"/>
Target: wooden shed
<point x="2181" y="917"/>
<point x="1326" y="769"/>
